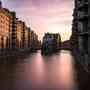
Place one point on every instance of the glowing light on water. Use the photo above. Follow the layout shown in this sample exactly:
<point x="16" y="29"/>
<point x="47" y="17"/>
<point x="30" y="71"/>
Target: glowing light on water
<point x="56" y="71"/>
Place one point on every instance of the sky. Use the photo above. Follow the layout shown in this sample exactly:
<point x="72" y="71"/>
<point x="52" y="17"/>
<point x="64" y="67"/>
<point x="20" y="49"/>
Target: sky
<point x="44" y="15"/>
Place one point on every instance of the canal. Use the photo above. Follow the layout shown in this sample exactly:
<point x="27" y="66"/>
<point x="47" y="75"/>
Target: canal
<point x="37" y="72"/>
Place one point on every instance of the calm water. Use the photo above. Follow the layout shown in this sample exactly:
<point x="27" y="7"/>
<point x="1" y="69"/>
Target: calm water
<point x="37" y="72"/>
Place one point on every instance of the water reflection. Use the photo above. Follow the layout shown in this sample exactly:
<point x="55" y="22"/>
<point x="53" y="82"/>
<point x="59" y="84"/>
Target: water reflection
<point x="54" y="72"/>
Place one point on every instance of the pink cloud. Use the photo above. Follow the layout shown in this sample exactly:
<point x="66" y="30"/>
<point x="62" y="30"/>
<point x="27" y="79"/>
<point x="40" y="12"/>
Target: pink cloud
<point x="43" y="14"/>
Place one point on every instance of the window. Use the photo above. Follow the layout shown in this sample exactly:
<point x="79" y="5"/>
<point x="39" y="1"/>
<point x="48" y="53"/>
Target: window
<point x="80" y="26"/>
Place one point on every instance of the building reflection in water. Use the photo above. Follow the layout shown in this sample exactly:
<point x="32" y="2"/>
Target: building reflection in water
<point x="56" y="72"/>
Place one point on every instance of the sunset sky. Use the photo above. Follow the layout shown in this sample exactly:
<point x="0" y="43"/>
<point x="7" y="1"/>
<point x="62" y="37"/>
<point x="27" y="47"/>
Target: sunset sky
<point x="44" y="15"/>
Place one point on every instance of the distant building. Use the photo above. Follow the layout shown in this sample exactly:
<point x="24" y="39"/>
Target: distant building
<point x="26" y="38"/>
<point x="19" y="29"/>
<point x="51" y="43"/>
<point x="66" y="45"/>
<point x="29" y="37"/>
<point x="34" y="40"/>
<point x="7" y="28"/>
<point x="21" y="34"/>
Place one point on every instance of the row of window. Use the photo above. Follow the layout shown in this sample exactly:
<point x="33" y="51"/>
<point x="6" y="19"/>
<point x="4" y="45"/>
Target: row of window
<point x="4" y="27"/>
<point x="4" y="17"/>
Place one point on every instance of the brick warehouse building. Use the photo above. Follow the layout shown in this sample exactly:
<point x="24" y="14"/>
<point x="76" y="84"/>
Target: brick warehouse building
<point x="14" y="33"/>
<point x="20" y="29"/>
<point x="7" y="28"/>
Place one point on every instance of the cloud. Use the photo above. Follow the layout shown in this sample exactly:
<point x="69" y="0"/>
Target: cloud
<point x="41" y="15"/>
